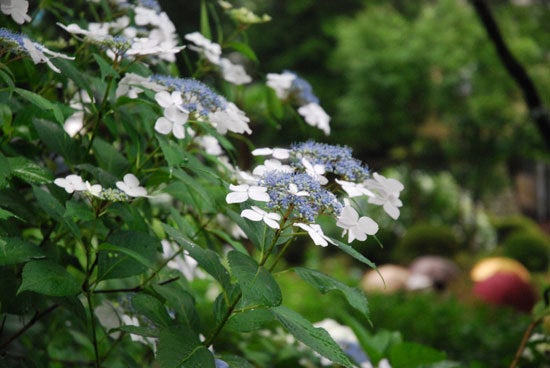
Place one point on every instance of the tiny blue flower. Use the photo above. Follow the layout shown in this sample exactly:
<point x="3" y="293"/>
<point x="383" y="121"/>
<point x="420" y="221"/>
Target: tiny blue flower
<point x="317" y="201"/>
<point x="337" y="160"/>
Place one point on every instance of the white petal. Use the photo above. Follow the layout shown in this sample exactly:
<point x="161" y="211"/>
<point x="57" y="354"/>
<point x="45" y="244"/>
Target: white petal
<point x="131" y="180"/>
<point x="391" y="210"/>
<point x="367" y="225"/>
<point x="163" y="126"/>
<point x="236" y="197"/>
<point x="252" y="215"/>
<point x="178" y="130"/>
<point x="164" y="99"/>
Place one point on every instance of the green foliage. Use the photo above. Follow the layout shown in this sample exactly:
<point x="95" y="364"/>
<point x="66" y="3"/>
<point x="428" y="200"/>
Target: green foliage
<point x="531" y="248"/>
<point x="423" y="239"/>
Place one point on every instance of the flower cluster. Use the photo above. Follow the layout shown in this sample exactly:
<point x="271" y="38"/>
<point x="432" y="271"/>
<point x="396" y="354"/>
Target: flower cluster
<point x="183" y="99"/>
<point x="128" y="187"/>
<point x="17" y="9"/>
<point x="231" y="72"/>
<point x="152" y="34"/>
<point x="317" y="179"/>
<point x="290" y="87"/>
<point x="38" y="53"/>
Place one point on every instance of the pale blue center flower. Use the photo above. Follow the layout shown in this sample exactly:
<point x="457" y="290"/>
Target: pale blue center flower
<point x="317" y="201"/>
<point x="197" y="96"/>
<point x="302" y="91"/>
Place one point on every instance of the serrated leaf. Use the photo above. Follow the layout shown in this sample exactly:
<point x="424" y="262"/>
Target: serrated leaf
<point x="172" y="152"/>
<point x="180" y="347"/>
<point x="152" y="308"/>
<point x="316" y="338"/>
<point x="41" y="103"/>
<point x="16" y="250"/>
<point x="258" y="287"/>
<point x="56" y="139"/>
<point x="55" y="209"/>
<point x="105" y="68"/>
<point x="250" y="320"/>
<point x="29" y="171"/>
<point x="181" y="302"/>
<point x="324" y="283"/>
<point x="48" y="278"/>
<point x="109" y="158"/>
<point x="121" y="260"/>
<point x="7" y="78"/>
<point x="207" y="259"/>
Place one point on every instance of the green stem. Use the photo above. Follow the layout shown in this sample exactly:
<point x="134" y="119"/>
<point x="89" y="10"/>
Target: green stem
<point x="103" y="106"/>
<point x="93" y="326"/>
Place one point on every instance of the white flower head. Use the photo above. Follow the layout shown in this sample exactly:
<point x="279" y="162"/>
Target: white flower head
<point x="315" y="171"/>
<point x="240" y="193"/>
<point x="41" y="54"/>
<point x="386" y="193"/>
<point x="231" y="119"/>
<point x="17" y="9"/>
<point x="281" y="83"/>
<point x="315" y="116"/>
<point x="234" y="73"/>
<point x="212" y="51"/>
<point x="356" y="227"/>
<point x="71" y="183"/>
<point x="130" y="186"/>
<point x="271" y="219"/>
<point x="315" y="233"/>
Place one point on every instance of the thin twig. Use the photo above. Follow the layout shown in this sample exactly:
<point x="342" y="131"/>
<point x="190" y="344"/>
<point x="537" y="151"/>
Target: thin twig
<point x="524" y="341"/>
<point x="37" y="316"/>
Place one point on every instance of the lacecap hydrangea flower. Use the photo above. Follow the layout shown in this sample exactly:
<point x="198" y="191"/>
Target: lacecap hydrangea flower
<point x="308" y="180"/>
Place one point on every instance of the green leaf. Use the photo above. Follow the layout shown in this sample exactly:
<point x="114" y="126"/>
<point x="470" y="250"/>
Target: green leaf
<point x="257" y="232"/>
<point x="324" y="283"/>
<point x="70" y="71"/>
<point x="15" y="250"/>
<point x="48" y="278"/>
<point x="413" y="355"/>
<point x="207" y="259"/>
<point x="4" y="214"/>
<point x="151" y="308"/>
<point x="5" y="171"/>
<point x="205" y="24"/>
<point x="132" y="253"/>
<point x="173" y="153"/>
<point x="180" y="347"/>
<point x="140" y="330"/>
<point x="105" y="68"/>
<point x="354" y="253"/>
<point x="236" y="361"/>
<point x="56" y="139"/>
<point x="7" y="77"/>
<point x="109" y="158"/>
<point x="41" y="103"/>
<point x="316" y="338"/>
<point x="54" y="209"/>
<point x="244" y="49"/>
<point x="181" y="302"/>
<point x="250" y="320"/>
<point x="258" y="287"/>
<point x="29" y="171"/>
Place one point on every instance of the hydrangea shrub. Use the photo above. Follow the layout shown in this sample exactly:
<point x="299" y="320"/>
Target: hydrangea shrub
<point x="128" y="232"/>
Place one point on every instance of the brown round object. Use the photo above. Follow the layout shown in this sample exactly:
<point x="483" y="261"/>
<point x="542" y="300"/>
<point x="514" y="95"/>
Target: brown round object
<point x="388" y="279"/>
<point x="489" y="266"/>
